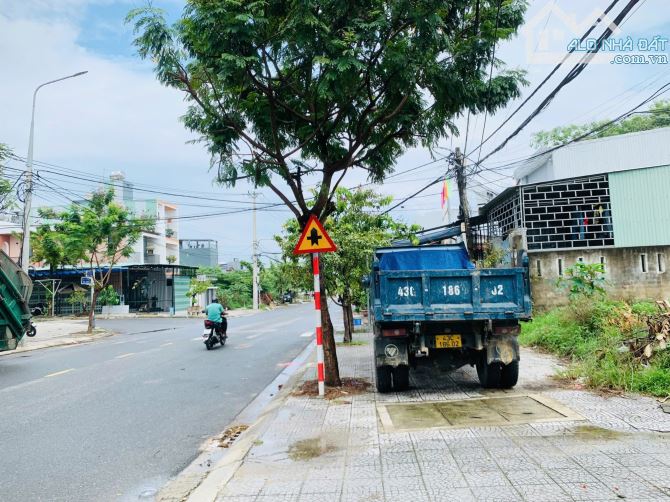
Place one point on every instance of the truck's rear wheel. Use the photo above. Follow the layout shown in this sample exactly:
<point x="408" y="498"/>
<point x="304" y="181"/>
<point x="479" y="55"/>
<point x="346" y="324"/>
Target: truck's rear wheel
<point x="509" y="375"/>
<point x="384" y="379"/>
<point x="489" y="374"/>
<point x="401" y="378"/>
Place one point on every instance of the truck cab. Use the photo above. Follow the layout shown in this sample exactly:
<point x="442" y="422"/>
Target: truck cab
<point x="431" y="305"/>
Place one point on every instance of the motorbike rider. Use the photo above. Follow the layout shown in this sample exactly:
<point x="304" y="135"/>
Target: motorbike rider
<point x="216" y="313"/>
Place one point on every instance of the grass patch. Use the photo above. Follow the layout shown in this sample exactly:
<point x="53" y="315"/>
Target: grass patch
<point x="352" y="343"/>
<point x="593" y="336"/>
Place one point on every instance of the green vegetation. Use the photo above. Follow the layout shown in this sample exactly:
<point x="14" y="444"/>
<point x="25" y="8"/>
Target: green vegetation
<point x="357" y="225"/>
<point x="657" y="116"/>
<point x="97" y="233"/>
<point x="289" y="95"/>
<point x="584" y="279"/>
<point x="77" y="299"/>
<point x="594" y="335"/>
<point x="6" y="197"/>
<point x="109" y="296"/>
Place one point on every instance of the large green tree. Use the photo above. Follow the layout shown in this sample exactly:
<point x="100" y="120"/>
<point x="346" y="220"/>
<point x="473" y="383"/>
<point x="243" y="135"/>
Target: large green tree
<point x="657" y="116"/>
<point x="357" y="226"/>
<point x="98" y="233"/>
<point x="290" y="92"/>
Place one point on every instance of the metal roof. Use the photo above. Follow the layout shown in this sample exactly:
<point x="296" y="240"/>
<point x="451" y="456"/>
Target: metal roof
<point x="612" y="154"/>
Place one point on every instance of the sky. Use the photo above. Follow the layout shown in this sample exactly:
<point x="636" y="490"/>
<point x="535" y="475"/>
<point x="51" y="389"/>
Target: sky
<point x="119" y="118"/>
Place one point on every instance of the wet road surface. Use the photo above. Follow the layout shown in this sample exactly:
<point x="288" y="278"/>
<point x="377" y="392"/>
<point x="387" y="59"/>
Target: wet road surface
<point x="116" y="418"/>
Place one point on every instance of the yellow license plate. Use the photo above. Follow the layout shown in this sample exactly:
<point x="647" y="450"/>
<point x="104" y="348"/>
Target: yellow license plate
<point x="448" y="341"/>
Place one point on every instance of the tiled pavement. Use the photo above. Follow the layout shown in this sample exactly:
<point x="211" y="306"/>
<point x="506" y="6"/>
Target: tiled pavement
<point x="317" y="450"/>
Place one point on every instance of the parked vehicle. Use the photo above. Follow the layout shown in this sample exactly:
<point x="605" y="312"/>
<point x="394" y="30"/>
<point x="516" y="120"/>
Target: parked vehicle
<point x="431" y="305"/>
<point x="287" y="297"/>
<point x="15" y="290"/>
<point x="215" y="333"/>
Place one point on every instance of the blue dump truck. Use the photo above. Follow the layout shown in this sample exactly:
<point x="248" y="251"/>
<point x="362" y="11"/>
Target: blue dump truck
<point x="430" y="305"/>
<point x="15" y="290"/>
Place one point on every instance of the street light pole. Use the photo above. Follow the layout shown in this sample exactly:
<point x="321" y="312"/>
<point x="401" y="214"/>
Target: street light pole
<point x="255" y="258"/>
<point x="25" y="245"/>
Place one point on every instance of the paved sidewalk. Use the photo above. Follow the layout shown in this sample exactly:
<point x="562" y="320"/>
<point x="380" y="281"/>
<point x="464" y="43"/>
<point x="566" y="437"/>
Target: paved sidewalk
<point x="57" y="332"/>
<point x="338" y="450"/>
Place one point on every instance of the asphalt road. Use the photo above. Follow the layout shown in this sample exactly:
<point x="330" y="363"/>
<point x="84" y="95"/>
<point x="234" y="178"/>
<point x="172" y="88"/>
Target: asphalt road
<point x="112" y="419"/>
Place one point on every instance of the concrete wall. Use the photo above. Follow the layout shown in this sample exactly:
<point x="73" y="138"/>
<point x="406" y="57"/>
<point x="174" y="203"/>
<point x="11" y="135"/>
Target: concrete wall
<point x="623" y="272"/>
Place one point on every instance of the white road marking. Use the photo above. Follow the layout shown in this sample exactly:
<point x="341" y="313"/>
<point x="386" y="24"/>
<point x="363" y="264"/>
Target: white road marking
<point x="58" y="373"/>
<point x="251" y="337"/>
<point x="125" y="355"/>
<point x="166" y="344"/>
<point x="307" y="334"/>
<point x="196" y="339"/>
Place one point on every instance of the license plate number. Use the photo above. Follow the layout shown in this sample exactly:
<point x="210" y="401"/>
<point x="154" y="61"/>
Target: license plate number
<point x="448" y="341"/>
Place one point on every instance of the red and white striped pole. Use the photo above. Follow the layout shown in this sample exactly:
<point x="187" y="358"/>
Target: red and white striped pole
<point x="320" y="373"/>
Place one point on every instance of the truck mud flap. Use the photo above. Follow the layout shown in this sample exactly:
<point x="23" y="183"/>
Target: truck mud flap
<point x="391" y="352"/>
<point x="502" y="349"/>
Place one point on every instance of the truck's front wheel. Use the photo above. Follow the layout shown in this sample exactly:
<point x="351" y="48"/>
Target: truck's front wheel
<point x="489" y="374"/>
<point x="384" y="379"/>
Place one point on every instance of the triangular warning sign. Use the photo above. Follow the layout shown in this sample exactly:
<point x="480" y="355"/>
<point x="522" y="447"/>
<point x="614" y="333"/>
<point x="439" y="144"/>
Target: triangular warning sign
<point x="314" y="239"/>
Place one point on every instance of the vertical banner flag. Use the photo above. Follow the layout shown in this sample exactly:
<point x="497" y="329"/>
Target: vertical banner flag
<point x="445" y="192"/>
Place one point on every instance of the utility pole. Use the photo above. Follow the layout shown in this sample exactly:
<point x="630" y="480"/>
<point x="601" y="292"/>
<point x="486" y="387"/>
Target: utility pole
<point x="255" y="257"/>
<point x="464" y="209"/>
<point x="25" y="239"/>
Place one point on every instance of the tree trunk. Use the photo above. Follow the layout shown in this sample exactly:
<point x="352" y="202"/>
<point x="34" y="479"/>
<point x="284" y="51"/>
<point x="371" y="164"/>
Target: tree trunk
<point x="347" y="315"/>
<point x="91" y="313"/>
<point x="329" y="348"/>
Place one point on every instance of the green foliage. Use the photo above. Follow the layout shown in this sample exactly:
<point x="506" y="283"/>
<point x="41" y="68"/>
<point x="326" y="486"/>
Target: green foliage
<point x="644" y="308"/>
<point x="235" y="289"/>
<point x="284" y="276"/>
<point x="592" y="333"/>
<point x="7" y="200"/>
<point x="97" y="233"/>
<point x="109" y="296"/>
<point x="658" y="116"/>
<point x="493" y="256"/>
<point x="197" y="287"/>
<point x="76" y="298"/>
<point x="324" y="87"/>
<point x="584" y="279"/>
<point x="171" y="259"/>
<point x="357" y="226"/>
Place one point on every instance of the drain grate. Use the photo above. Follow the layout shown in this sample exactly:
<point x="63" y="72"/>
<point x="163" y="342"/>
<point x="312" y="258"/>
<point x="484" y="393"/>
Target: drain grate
<point x="494" y="411"/>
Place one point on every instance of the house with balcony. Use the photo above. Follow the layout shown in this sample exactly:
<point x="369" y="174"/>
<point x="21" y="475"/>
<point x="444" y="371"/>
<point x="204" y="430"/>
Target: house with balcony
<point x="151" y="278"/>
<point x="597" y="201"/>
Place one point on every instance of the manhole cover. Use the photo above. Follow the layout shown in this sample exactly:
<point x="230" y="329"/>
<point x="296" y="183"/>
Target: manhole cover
<point x="508" y="410"/>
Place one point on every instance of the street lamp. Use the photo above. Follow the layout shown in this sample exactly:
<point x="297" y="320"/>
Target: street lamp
<point x="25" y="248"/>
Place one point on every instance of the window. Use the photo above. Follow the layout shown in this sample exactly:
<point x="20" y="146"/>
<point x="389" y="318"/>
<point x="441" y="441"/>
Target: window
<point x="560" y="267"/>
<point x="603" y="262"/>
<point x="643" y="262"/>
<point x="660" y="262"/>
<point x="538" y="265"/>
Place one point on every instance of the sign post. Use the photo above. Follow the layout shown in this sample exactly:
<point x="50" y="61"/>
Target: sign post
<point x="315" y="240"/>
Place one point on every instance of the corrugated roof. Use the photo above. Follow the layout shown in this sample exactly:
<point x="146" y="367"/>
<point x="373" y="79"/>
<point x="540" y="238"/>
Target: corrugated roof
<point x="599" y="156"/>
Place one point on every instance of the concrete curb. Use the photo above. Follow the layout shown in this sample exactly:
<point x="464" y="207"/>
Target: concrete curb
<point x="213" y="468"/>
<point x="65" y="341"/>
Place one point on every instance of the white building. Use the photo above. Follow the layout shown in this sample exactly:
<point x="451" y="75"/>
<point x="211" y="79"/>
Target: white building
<point x="160" y="247"/>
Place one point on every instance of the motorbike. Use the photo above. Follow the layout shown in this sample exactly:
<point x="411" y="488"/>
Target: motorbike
<point x="214" y="333"/>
